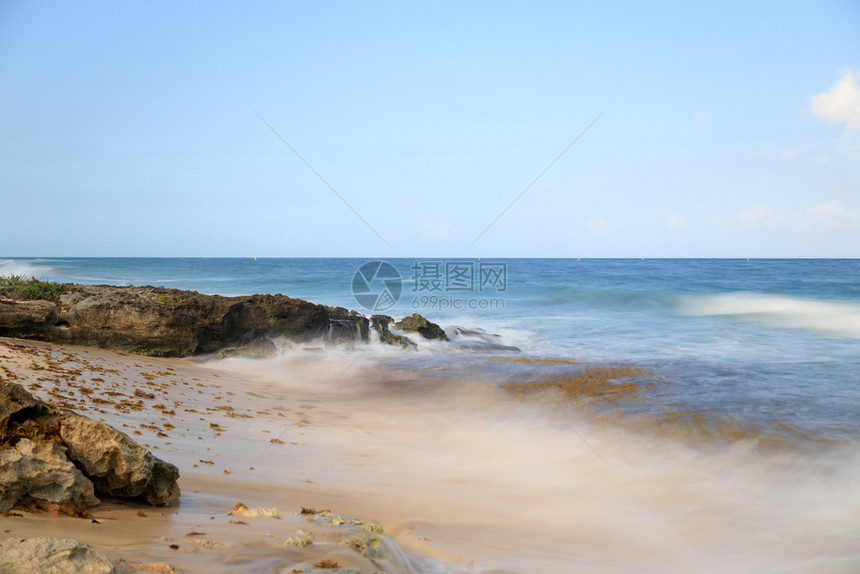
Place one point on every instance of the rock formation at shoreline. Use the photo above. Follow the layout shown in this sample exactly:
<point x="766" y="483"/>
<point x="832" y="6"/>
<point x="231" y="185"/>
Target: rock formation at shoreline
<point x="380" y="323"/>
<point x="417" y="323"/>
<point x="163" y="322"/>
<point x="56" y="459"/>
<point x="171" y="323"/>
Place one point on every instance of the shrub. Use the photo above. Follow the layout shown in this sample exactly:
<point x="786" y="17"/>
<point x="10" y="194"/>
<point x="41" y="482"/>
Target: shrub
<point x="31" y="288"/>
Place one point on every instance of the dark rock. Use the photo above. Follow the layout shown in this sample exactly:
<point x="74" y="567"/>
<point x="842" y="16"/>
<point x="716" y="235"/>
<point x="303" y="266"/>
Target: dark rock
<point x="380" y="323"/>
<point x="261" y="348"/>
<point x="169" y="322"/>
<point x="27" y="319"/>
<point x="424" y="327"/>
<point x="44" y="443"/>
<point x="347" y="326"/>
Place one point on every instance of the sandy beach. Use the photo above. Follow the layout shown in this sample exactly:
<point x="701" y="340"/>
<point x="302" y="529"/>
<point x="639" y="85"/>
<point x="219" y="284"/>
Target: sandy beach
<point x="462" y="478"/>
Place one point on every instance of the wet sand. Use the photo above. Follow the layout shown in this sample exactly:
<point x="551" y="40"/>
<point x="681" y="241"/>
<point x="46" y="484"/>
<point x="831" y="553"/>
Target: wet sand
<point x="464" y="478"/>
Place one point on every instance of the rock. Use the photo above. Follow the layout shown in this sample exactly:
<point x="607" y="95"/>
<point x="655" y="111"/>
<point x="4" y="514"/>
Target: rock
<point x="40" y="475"/>
<point x="172" y="323"/>
<point x="116" y="464"/>
<point x="379" y="323"/>
<point x="51" y="556"/>
<point x="241" y="509"/>
<point x="424" y="327"/>
<point x="346" y="326"/>
<point x="14" y="399"/>
<point x="261" y="348"/>
<point x="480" y="340"/>
<point x="365" y="538"/>
<point x="28" y="318"/>
<point x="109" y="459"/>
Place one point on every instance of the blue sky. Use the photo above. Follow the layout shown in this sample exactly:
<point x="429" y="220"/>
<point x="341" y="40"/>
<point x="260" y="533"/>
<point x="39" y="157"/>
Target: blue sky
<point x="131" y="129"/>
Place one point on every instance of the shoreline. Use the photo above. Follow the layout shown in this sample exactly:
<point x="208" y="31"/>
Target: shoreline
<point x="190" y="424"/>
<point x="464" y="478"/>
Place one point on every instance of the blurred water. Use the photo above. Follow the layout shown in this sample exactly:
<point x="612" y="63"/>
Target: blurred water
<point x="767" y="341"/>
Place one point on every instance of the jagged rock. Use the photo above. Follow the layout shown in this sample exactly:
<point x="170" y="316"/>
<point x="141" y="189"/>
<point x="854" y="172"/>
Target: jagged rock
<point x="15" y="399"/>
<point x="115" y="464"/>
<point x="171" y="323"/>
<point x="261" y="348"/>
<point x="425" y="328"/>
<point x="40" y="475"/>
<point x="45" y="555"/>
<point x="379" y="323"/>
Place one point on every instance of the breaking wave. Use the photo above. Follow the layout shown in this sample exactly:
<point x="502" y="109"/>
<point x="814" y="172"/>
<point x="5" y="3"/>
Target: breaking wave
<point x="837" y="318"/>
<point x="27" y="268"/>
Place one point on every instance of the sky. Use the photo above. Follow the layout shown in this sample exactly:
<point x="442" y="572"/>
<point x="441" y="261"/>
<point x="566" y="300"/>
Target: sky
<point x="431" y="129"/>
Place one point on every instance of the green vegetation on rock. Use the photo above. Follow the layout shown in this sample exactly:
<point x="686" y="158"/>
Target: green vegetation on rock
<point x="167" y="299"/>
<point x="32" y="288"/>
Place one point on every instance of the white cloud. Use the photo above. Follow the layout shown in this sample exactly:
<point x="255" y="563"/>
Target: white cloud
<point x="433" y="232"/>
<point x="760" y="217"/>
<point x="829" y="215"/>
<point x="841" y="105"/>
<point x="677" y="222"/>
<point x="598" y="225"/>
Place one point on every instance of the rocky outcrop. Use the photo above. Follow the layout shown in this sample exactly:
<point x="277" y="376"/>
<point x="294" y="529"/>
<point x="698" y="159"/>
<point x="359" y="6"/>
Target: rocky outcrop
<point x="117" y="465"/>
<point x="380" y="323"/>
<point x="169" y="322"/>
<point x="40" y="475"/>
<point x="44" y="555"/>
<point x="425" y="328"/>
<point x="54" y="458"/>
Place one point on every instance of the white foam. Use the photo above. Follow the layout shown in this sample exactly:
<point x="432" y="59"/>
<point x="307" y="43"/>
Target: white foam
<point x="514" y="486"/>
<point x="25" y="268"/>
<point x="830" y="317"/>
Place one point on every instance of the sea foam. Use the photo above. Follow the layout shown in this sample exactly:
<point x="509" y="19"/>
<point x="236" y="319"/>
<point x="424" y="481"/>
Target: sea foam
<point x="827" y="317"/>
<point x="25" y="267"/>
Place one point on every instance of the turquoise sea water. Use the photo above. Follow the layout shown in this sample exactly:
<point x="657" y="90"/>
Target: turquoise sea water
<point x="762" y="342"/>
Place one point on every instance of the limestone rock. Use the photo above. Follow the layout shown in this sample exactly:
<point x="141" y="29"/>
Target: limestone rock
<point x="116" y="464"/>
<point x="425" y="328"/>
<point x="40" y="474"/>
<point x="67" y="442"/>
<point x="15" y="399"/>
<point x="44" y="555"/>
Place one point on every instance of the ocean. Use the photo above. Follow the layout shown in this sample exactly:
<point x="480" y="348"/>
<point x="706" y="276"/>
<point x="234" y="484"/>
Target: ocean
<point x="721" y="396"/>
<point x="763" y="342"/>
